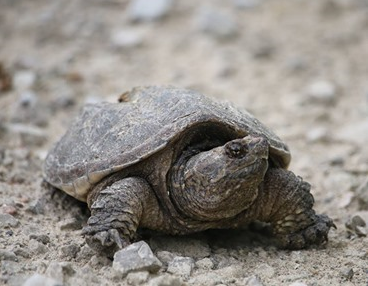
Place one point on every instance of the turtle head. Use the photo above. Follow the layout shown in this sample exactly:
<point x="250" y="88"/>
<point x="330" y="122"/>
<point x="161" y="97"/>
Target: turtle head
<point x="222" y="182"/>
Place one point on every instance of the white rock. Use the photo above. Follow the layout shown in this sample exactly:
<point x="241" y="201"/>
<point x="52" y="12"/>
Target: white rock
<point x="135" y="257"/>
<point x="40" y="280"/>
<point x="59" y="271"/>
<point x="215" y="22"/>
<point x="252" y="281"/>
<point x="127" y="38"/>
<point x="165" y="280"/>
<point x="137" y="278"/>
<point x="24" y="80"/>
<point x="181" y="266"/>
<point x="148" y="10"/>
<point x="205" y="264"/>
<point x="322" y="92"/>
<point x="7" y="220"/>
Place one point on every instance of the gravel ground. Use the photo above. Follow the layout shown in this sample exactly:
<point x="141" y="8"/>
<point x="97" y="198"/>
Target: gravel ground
<point x="299" y="66"/>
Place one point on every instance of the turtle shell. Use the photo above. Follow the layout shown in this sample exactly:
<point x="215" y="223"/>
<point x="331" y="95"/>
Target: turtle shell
<point x="109" y="137"/>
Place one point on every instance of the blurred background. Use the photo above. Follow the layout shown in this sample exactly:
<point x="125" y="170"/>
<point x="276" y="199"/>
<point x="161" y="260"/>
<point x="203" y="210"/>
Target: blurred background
<point x="300" y="66"/>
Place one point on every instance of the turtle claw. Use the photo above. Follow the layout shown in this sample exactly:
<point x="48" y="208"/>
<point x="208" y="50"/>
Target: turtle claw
<point x="107" y="242"/>
<point x="314" y="234"/>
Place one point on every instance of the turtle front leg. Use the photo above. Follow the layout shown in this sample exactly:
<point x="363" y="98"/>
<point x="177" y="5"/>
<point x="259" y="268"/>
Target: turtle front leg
<point x="286" y="202"/>
<point x="116" y="212"/>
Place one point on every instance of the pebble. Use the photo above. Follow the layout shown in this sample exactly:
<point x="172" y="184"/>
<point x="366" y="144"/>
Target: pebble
<point x="7" y="220"/>
<point x="216" y="23"/>
<point x="205" y="264"/>
<point x="246" y="4"/>
<point x="135" y="257"/>
<point x="27" y="99"/>
<point x="127" y="38"/>
<point x="188" y="247"/>
<point x="265" y="270"/>
<point x="181" y="266"/>
<point x="317" y="134"/>
<point x="45" y="239"/>
<point x="165" y="256"/>
<point x="323" y="92"/>
<point x="60" y="270"/>
<point x="36" y="207"/>
<point x="85" y="253"/>
<point x="361" y="194"/>
<point x="356" y="225"/>
<point x="23" y="252"/>
<point x="8" y="209"/>
<point x="70" y="250"/>
<point x="41" y="280"/>
<point x="137" y="278"/>
<point x="70" y="224"/>
<point x="297" y="283"/>
<point x="347" y="274"/>
<point x="148" y="10"/>
<point x="37" y="247"/>
<point x="7" y="255"/>
<point x="24" y="80"/>
<point x="252" y="281"/>
<point x="165" y="280"/>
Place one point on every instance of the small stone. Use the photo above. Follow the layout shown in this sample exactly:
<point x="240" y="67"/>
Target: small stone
<point x="7" y="220"/>
<point x="70" y="224"/>
<point x="265" y="270"/>
<point x="23" y="80"/>
<point x="136" y="257"/>
<point x="165" y="280"/>
<point x="360" y="230"/>
<point x="165" y="256"/>
<point x="37" y="247"/>
<point x="126" y="38"/>
<point x="215" y="23"/>
<point x="36" y="207"/>
<point x="252" y="281"/>
<point x="7" y="255"/>
<point x="137" y="278"/>
<point x="98" y="261"/>
<point x="7" y="209"/>
<point x="362" y="195"/>
<point x="246" y="4"/>
<point x="181" y="266"/>
<point x="60" y="271"/>
<point x="27" y="99"/>
<point x="356" y="225"/>
<point x="205" y="264"/>
<point x="23" y="252"/>
<point x="317" y="134"/>
<point x="347" y="274"/>
<point x="41" y="280"/>
<point x="297" y="283"/>
<point x="148" y="10"/>
<point x="45" y="239"/>
<point x="85" y="253"/>
<point x="70" y="250"/>
<point x="323" y="92"/>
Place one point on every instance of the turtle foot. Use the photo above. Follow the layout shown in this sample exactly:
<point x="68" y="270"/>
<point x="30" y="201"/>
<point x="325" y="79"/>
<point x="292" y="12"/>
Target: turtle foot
<point x="315" y="234"/>
<point x="105" y="242"/>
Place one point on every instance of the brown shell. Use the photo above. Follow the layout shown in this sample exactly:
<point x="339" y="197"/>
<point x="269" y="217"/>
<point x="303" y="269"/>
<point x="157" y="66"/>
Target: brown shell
<point x="108" y="137"/>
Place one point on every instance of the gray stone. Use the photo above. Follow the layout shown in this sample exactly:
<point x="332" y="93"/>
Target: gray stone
<point x="347" y="274"/>
<point x="205" y="264"/>
<point x="165" y="280"/>
<point x="181" y="266"/>
<point x="37" y="247"/>
<point x="85" y="253"/>
<point x="60" y="271"/>
<point x="362" y="195"/>
<point x="27" y="99"/>
<point x="70" y="250"/>
<point x="23" y="252"/>
<point x="148" y="10"/>
<point x="40" y="280"/>
<point x="137" y="278"/>
<point x="165" y="256"/>
<point x="136" y="257"/>
<point x="23" y="80"/>
<point x="252" y="281"/>
<point x="36" y="207"/>
<point x="246" y="4"/>
<point x="264" y="270"/>
<point x="70" y="224"/>
<point x="127" y="38"/>
<point x="215" y="23"/>
<point x="356" y="225"/>
<point x="322" y="91"/>
<point x="7" y="255"/>
<point x="45" y="239"/>
<point x="7" y="220"/>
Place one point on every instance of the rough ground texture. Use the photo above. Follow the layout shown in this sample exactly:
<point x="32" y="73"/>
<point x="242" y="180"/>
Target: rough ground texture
<point x="299" y="66"/>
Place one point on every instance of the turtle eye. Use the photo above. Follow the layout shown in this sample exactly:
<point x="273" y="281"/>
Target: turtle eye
<point x="236" y="149"/>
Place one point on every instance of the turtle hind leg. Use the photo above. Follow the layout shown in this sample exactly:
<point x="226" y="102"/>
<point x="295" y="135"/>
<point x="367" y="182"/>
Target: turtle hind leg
<point x="289" y="209"/>
<point x="116" y="212"/>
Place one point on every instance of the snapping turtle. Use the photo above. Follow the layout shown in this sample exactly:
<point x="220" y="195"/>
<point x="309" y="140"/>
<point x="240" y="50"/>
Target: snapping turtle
<point x="175" y="161"/>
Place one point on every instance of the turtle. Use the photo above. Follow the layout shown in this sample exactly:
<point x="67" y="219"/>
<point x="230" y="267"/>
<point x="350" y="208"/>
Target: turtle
<point x="175" y="161"/>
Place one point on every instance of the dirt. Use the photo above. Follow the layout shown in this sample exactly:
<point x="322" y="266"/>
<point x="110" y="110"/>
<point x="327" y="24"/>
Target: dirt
<point x="299" y="66"/>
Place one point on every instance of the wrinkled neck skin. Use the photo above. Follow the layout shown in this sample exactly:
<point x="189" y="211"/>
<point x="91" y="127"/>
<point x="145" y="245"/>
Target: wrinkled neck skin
<point x="210" y="186"/>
